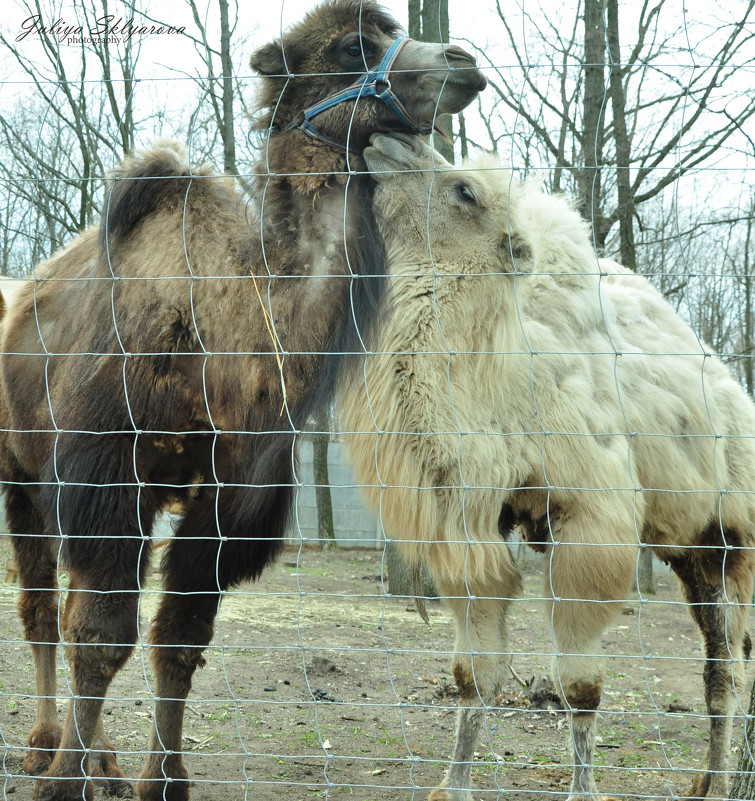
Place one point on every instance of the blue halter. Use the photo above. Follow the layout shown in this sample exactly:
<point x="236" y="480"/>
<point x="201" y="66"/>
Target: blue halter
<point x="366" y="85"/>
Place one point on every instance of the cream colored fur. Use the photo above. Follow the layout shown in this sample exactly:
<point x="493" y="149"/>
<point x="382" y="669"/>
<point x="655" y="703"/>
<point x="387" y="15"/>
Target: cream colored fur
<point x="514" y="369"/>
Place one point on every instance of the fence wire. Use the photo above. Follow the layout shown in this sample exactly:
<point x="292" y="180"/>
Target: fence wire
<point x="519" y="412"/>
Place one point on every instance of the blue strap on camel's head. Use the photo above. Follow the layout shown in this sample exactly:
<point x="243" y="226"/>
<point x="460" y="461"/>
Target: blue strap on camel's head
<point x="373" y="83"/>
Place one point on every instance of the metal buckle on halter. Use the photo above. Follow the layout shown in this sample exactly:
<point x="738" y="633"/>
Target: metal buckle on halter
<point x="366" y="85"/>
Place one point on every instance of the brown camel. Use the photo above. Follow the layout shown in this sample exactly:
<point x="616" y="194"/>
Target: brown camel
<point x="175" y="352"/>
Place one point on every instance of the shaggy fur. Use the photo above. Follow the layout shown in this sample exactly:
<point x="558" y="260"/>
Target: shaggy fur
<point x="121" y="393"/>
<point x="520" y="380"/>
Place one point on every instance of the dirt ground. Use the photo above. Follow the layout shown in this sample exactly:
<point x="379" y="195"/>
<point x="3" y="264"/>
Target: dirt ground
<point x="317" y="685"/>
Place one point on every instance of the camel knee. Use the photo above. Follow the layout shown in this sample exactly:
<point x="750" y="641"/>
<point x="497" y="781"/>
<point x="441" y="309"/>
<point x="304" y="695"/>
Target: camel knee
<point x="466" y="681"/>
<point x="39" y="615"/>
<point x="478" y="663"/>
<point x="478" y="677"/>
<point x="180" y="633"/>
<point x="579" y="681"/>
<point x="100" y="631"/>
<point x="582" y="697"/>
<point x="94" y="665"/>
<point x="176" y="667"/>
<point x="721" y="682"/>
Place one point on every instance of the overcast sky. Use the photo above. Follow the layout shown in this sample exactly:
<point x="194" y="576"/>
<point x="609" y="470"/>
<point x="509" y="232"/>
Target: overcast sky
<point x="164" y="59"/>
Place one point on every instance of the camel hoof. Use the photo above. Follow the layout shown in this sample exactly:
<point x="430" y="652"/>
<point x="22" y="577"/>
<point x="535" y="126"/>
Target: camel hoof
<point x="700" y="786"/>
<point x="36" y="762"/>
<point x="56" y="789"/>
<point x="108" y="776"/>
<point x="152" y="785"/>
<point x="115" y="788"/>
<point x="121" y="790"/>
<point x="42" y="747"/>
<point x="169" y="792"/>
<point x="162" y="791"/>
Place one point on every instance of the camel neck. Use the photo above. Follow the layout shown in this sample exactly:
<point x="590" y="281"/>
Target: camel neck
<point x="307" y="165"/>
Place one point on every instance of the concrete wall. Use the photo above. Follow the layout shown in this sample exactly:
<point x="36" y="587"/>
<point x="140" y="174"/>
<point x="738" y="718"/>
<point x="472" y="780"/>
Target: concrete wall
<point x="355" y="526"/>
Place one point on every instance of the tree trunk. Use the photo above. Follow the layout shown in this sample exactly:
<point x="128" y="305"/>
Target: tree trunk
<point x="415" y="19"/>
<point x="326" y="535"/>
<point x="625" y="205"/>
<point x="227" y="128"/>
<point x="463" y="141"/>
<point x="743" y="783"/>
<point x="592" y="117"/>
<point x="748" y="346"/>
<point x="428" y="22"/>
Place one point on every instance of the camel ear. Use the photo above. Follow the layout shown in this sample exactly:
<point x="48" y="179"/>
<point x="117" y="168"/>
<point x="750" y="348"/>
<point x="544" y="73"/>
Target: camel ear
<point x="269" y="60"/>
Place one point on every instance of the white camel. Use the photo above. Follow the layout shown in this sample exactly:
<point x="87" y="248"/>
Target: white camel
<point x="519" y="379"/>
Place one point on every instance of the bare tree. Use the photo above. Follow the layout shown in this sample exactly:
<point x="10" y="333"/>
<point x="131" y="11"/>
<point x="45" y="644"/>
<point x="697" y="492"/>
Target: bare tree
<point x="589" y="176"/>
<point x="428" y="22"/>
<point x="72" y="123"/>
<point x="43" y="179"/>
<point x="9" y="232"/>
<point x="220" y="103"/>
<point x="623" y="145"/>
<point x="623" y="124"/>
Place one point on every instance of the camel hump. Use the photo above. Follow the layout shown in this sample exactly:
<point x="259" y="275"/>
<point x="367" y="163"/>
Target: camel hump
<point x="143" y="183"/>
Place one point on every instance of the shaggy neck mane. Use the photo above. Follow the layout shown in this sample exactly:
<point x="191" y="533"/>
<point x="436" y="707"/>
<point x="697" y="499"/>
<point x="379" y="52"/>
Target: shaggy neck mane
<point x="317" y="222"/>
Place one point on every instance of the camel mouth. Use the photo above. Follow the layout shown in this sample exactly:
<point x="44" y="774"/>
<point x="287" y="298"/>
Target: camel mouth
<point x="395" y="153"/>
<point x="466" y="73"/>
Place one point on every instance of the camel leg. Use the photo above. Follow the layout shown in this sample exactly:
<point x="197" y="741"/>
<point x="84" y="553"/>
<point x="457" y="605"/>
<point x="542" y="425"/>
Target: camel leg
<point x="602" y="574"/>
<point x="102" y="515"/>
<point x="181" y="630"/>
<point x="36" y="561"/>
<point x="101" y="629"/>
<point x="718" y="587"/>
<point x="104" y="766"/>
<point x="479" y="669"/>
<point x="197" y="567"/>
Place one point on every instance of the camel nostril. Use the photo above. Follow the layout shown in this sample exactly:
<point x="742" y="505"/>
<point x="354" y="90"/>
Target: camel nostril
<point x="453" y="53"/>
<point x="458" y="59"/>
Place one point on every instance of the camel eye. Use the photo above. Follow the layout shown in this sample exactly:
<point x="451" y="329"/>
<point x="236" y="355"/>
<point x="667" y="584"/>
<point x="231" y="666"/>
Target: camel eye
<point x="466" y="194"/>
<point x="358" y="48"/>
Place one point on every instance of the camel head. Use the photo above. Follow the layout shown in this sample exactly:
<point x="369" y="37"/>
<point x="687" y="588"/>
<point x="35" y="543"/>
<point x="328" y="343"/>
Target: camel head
<point x="463" y="220"/>
<point x="353" y="49"/>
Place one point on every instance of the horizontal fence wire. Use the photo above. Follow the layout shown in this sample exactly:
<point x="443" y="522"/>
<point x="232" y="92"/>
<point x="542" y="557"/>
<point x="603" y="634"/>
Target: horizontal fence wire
<point x="343" y="478"/>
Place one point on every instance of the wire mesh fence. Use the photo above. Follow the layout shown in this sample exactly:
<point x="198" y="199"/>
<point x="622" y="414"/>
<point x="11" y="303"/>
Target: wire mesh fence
<point x="510" y="426"/>
<point x="316" y="682"/>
